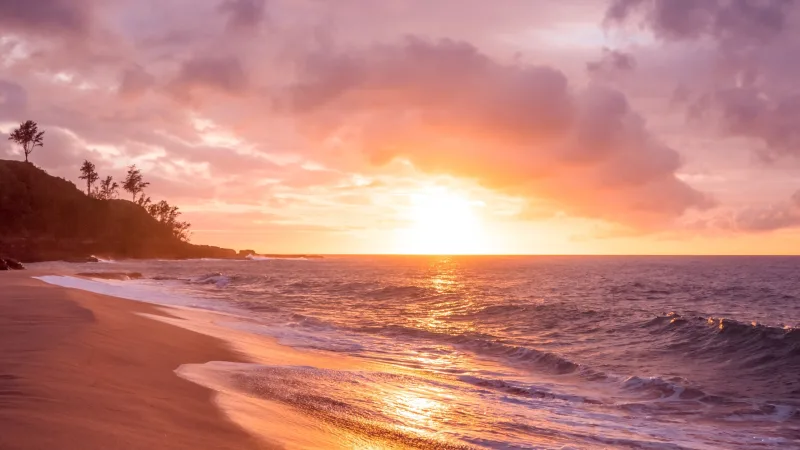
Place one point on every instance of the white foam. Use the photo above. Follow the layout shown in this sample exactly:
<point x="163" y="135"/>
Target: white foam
<point x="101" y="260"/>
<point x="295" y="338"/>
<point x="145" y="291"/>
<point x="268" y="258"/>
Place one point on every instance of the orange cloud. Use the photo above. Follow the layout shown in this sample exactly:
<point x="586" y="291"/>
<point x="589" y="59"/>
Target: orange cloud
<point x="448" y="108"/>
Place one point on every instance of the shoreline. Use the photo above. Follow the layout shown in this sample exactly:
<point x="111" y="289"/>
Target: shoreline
<point x="84" y="371"/>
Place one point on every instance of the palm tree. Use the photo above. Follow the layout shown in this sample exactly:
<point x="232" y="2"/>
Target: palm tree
<point x="90" y="175"/>
<point x="28" y="136"/>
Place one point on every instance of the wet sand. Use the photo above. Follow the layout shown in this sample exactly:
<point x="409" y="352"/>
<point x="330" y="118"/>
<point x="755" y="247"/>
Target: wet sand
<point x="84" y="371"/>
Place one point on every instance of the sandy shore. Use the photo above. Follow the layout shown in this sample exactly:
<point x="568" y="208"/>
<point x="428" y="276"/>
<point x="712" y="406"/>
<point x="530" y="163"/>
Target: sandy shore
<point x="83" y="371"/>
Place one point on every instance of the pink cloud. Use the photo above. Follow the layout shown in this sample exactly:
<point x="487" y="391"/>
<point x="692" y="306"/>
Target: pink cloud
<point x="448" y="108"/>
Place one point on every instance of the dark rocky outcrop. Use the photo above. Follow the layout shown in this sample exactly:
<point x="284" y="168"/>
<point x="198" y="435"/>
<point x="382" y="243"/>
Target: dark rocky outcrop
<point x="46" y="218"/>
<point x="10" y="264"/>
<point x="246" y="253"/>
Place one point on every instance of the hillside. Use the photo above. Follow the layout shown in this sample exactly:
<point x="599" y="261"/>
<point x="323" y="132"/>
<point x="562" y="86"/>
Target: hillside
<point x="43" y="217"/>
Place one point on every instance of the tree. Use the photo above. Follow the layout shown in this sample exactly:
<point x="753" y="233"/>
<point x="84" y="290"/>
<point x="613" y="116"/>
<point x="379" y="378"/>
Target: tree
<point x="28" y="136"/>
<point x="108" y="189"/>
<point x="144" y="202"/>
<point x="168" y="215"/>
<point x="90" y="175"/>
<point x="134" y="182"/>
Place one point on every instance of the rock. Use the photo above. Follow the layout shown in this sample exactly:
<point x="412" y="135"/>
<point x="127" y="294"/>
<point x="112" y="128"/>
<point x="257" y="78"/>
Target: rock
<point x="3" y="265"/>
<point x="246" y="253"/>
<point x="13" y="264"/>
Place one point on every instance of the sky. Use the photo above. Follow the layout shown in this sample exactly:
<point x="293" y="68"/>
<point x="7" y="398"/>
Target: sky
<point x="427" y="126"/>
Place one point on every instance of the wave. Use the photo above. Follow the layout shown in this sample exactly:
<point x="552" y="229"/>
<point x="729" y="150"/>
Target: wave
<point x="277" y="258"/>
<point x="724" y="336"/>
<point x="217" y="279"/>
<point x="398" y="292"/>
<point x="767" y="356"/>
<point x="139" y="290"/>
<point x="485" y="345"/>
<point x="523" y="390"/>
<point x="658" y="388"/>
<point x="120" y="276"/>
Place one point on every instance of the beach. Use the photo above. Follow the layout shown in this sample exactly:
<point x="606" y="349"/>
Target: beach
<point x="80" y="370"/>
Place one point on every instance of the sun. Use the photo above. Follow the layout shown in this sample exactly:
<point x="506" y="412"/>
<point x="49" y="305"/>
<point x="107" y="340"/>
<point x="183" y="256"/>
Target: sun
<point x="442" y="223"/>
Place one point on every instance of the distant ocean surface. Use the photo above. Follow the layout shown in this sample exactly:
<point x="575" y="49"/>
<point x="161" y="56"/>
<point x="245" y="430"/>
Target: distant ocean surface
<point x="515" y="352"/>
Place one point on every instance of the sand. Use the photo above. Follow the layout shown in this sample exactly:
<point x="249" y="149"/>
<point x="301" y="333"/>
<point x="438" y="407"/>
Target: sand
<point x="83" y="371"/>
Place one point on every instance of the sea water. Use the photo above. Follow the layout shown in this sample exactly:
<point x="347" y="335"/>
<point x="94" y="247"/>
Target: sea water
<point x="505" y="352"/>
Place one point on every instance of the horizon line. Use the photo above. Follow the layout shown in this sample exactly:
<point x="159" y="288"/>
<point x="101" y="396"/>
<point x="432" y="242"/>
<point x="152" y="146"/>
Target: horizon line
<point x="300" y="254"/>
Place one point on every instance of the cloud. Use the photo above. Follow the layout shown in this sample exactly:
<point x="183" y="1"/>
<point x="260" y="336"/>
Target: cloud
<point x="244" y="14"/>
<point x="448" y="108"/>
<point x="47" y="16"/>
<point x="750" y="91"/>
<point x="135" y="82"/>
<point x="13" y="99"/>
<point x="732" y="22"/>
<point x="611" y="62"/>
<point x="771" y="217"/>
<point x="747" y="112"/>
<point x="223" y="74"/>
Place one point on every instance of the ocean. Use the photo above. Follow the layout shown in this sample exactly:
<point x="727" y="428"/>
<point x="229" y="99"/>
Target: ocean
<point x="494" y="352"/>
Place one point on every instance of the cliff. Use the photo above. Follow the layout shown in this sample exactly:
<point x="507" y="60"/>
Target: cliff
<point x="43" y="217"/>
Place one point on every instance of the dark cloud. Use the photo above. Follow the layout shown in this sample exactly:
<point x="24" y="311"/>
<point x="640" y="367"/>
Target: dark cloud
<point x="47" y="16"/>
<point x="244" y="14"/>
<point x="611" y="62"/>
<point x="732" y="21"/>
<point x="747" y="112"/>
<point x="223" y="74"/>
<point x="752" y="90"/>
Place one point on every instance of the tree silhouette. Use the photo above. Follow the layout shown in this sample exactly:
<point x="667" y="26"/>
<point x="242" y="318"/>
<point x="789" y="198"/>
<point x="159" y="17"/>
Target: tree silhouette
<point x="108" y="189"/>
<point x="144" y="201"/>
<point x="134" y="183"/>
<point x="168" y="215"/>
<point x="90" y="175"/>
<point x="28" y="136"/>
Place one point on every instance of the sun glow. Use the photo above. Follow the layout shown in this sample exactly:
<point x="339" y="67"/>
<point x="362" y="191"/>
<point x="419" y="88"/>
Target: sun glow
<point x="443" y="223"/>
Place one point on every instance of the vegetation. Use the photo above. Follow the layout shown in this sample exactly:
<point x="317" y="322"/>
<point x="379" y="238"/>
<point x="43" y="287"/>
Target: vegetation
<point x="89" y="174"/>
<point x="44" y="217"/>
<point x="108" y="189"/>
<point x="168" y="216"/>
<point x="28" y="136"/>
<point x="134" y="183"/>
